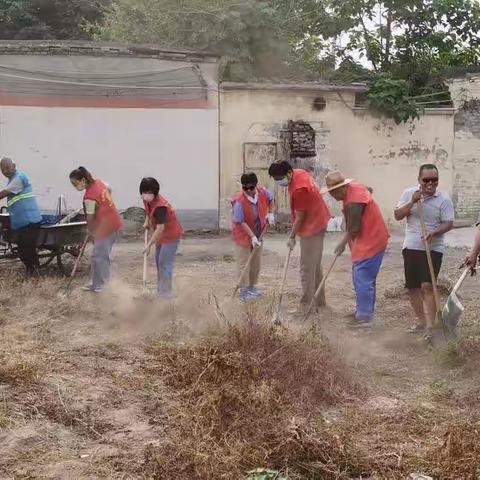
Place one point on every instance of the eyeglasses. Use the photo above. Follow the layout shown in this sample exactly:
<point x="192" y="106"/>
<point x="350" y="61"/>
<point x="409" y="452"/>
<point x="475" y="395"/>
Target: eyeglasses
<point x="430" y="180"/>
<point x="246" y="188"/>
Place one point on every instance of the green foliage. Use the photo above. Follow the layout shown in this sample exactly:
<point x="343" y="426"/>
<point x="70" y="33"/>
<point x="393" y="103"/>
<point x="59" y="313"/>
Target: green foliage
<point x="410" y="38"/>
<point x="392" y="97"/>
<point x="16" y="16"/>
<point x="256" y="38"/>
<point x="350" y="71"/>
<point x="265" y="474"/>
<point x="45" y="19"/>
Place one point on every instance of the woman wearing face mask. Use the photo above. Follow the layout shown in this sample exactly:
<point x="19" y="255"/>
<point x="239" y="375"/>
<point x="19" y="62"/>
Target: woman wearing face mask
<point x="161" y="219"/>
<point x="251" y="211"/>
<point x="104" y="224"/>
<point x="310" y="217"/>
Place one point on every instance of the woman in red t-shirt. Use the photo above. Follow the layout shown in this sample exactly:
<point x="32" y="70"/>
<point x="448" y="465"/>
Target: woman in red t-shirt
<point x="104" y="224"/>
<point x="161" y="219"/>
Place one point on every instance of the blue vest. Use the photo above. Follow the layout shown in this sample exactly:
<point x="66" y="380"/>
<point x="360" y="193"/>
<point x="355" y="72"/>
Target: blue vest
<point x="22" y="207"/>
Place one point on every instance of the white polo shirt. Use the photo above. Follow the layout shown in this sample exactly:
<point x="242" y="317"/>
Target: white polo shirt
<point x="437" y="209"/>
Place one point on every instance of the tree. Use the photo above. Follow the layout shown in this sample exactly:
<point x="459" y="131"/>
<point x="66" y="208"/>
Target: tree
<point x="409" y="38"/>
<point x="43" y="19"/>
<point x="17" y="16"/>
<point x="409" y="44"/>
<point x="256" y="38"/>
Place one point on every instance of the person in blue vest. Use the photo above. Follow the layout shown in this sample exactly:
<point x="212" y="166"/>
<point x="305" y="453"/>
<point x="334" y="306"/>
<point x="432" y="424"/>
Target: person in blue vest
<point x="25" y="216"/>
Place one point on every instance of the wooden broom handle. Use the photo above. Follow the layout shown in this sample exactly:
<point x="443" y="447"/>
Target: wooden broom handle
<point x="429" y="256"/>
<point x="145" y="259"/>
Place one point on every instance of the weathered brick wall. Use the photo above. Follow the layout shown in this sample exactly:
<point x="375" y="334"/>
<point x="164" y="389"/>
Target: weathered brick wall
<point x="466" y="186"/>
<point x="466" y="150"/>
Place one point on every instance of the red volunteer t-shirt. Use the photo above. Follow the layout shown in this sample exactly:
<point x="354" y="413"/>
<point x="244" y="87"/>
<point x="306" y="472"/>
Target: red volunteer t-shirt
<point x="107" y="219"/>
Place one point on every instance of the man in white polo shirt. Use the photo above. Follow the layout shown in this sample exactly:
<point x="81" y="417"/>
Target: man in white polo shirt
<point x="439" y="216"/>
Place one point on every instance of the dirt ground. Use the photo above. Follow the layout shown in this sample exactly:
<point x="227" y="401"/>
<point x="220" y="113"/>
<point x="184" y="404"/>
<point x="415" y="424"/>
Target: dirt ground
<point x="74" y="403"/>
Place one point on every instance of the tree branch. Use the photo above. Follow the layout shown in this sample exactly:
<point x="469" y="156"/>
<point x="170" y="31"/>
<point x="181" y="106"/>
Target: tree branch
<point x="388" y="41"/>
<point x="367" y="36"/>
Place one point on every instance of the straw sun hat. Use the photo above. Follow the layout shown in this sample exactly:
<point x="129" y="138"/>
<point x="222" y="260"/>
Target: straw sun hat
<point x="335" y="180"/>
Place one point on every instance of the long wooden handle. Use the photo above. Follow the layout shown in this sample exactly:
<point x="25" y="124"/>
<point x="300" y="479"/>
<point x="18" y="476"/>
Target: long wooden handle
<point x="244" y="271"/>
<point x="429" y="256"/>
<point x="461" y="280"/>
<point x="284" y="278"/>
<point x="319" y="289"/>
<point x="249" y="261"/>
<point x="80" y="255"/>
<point x="145" y="260"/>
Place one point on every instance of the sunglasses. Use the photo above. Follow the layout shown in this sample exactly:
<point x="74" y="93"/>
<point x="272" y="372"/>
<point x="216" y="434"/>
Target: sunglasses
<point x="246" y="188"/>
<point x="430" y="180"/>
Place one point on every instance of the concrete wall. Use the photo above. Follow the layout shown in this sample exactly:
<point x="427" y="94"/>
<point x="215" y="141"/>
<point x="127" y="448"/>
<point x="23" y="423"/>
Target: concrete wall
<point x="119" y="146"/>
<point x="372" y="150"/>
<point x="178" y="145"/>
<point x="466" y="192"/>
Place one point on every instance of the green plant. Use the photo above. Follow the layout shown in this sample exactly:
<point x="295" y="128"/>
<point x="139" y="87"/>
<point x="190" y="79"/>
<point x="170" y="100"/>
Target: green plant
<point x="392" y="97"/>
<point x="265" y="474"/>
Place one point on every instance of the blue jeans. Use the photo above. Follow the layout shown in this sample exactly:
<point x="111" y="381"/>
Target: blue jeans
<point x="101" y="260"/>
<point x="364" y="281"/>
<point x="165" y="259"/>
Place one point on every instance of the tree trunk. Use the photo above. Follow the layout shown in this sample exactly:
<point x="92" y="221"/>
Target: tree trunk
<point x="388" y="41"/>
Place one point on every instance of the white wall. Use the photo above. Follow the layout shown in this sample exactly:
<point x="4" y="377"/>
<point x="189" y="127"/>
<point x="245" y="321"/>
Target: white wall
<point x="177" y="146"/>
<point x="371" y="149"/>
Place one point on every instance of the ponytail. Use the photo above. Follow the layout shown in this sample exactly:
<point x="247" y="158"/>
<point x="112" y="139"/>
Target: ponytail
<point x="81" y="173"/>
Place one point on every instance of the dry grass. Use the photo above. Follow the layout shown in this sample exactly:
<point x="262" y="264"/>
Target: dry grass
<point x="242" y="397"/>
<point x="411" y="439"/>
<point x="250" y="397"/>
<point x="17" y="369"/>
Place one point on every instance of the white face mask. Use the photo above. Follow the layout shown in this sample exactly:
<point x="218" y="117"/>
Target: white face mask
<point x="283" y="182"/>
<point x="148" y="197"/>
<point x="79" y="185"/>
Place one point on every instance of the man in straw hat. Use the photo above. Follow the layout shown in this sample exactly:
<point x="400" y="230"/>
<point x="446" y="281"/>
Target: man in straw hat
<point x="310" y="216"/>
<point x="439" y="215"/>
<point x="367" y="236"/>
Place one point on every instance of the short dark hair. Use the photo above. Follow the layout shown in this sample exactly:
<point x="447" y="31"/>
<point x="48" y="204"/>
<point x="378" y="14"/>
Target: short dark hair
<point x="279" y="169"/>
<point x="427" y="166"/>
<point x="81" y="173"/>
<point x="149" y="185"/>
<point x="249" y="178"/>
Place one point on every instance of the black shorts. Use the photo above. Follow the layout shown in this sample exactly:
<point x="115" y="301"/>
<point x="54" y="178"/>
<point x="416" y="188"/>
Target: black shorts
<point x="416" y="267"/>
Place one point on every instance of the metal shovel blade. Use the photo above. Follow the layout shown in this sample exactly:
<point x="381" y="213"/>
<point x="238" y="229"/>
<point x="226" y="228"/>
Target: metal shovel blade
<point x="451" y="312"/>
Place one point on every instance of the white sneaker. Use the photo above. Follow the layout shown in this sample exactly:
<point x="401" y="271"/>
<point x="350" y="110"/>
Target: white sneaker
<point x="89" y="288"/>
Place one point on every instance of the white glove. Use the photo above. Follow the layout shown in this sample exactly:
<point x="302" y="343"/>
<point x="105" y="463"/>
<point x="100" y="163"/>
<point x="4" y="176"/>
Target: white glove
<point x="271" y="219"/>
<point x="256" y="242"/>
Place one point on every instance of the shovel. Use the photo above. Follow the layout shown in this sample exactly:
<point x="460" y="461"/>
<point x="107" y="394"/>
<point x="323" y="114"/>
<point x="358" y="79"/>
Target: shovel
<point x="453" y="308"/>
<point x="77" y="262"/>
<point x="276" y="314"/>
<point x="249" y="261"/>
<point x="145" y="263"/>
<point x="436" y="296"/>
<point x="319" y="289"/>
